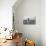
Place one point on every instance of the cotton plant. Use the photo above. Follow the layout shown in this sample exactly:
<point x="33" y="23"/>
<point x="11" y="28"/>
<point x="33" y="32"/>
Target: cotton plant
<point x="5" y="31"/>
<point x="2" y="35"/>
<point x="2" y="32"/>
<point x="8" y="32"/>
<point x="1" y="29"/>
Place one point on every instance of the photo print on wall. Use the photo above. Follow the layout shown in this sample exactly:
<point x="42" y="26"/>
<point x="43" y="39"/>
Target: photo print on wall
<point x="29" y="20"/>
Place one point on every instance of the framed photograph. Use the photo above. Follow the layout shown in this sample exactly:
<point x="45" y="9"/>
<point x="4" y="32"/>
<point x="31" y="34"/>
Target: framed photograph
<point x="30" y="20"/>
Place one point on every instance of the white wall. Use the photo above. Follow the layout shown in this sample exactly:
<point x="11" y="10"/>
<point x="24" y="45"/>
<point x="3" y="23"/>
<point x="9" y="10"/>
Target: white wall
<point x="29" y="8"/>
<point x="6" y="13"/>
<point x="43" y="22"/>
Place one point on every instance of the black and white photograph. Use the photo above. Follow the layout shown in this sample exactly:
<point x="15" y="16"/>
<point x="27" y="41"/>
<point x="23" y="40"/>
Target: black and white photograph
<point x="29" y="21"/>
